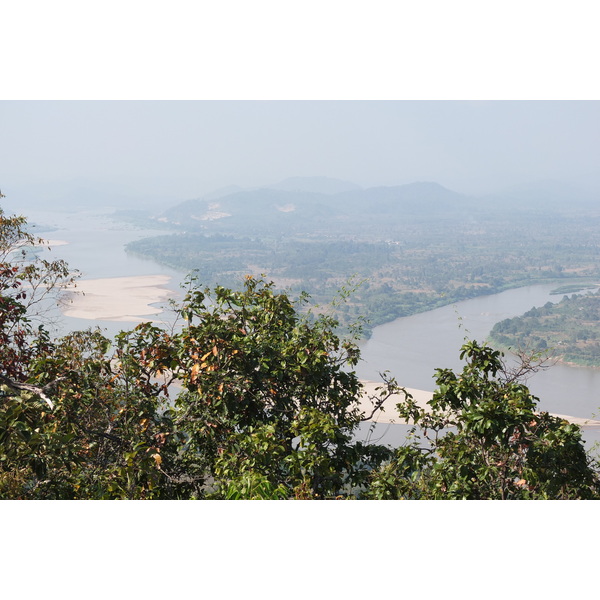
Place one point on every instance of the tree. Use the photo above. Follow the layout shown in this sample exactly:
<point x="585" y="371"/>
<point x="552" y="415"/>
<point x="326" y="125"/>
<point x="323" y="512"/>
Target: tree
<point x="269" y="402"/>
<point x="25" y="281"/>
<point x="482" y="438"/>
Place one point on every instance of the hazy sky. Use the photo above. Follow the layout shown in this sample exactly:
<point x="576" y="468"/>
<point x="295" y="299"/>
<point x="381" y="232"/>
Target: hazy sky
<point x="184" y="148"/>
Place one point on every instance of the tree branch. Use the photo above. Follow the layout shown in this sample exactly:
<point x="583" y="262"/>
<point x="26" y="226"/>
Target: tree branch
<point x="29" y="388"/>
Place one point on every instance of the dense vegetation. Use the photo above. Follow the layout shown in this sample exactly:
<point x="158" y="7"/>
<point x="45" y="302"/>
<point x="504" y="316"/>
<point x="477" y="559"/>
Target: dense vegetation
<point x="569" y="330"/>
<point x="250" y="398"/>
<point x="415" y="247"/>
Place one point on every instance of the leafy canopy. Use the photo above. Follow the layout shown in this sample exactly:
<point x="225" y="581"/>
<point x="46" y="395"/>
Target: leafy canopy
<point x="480" y="437"/>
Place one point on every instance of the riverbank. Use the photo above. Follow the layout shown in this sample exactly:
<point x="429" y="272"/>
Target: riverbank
<point x="123" y="299"/>
<point x="421" y="397"/>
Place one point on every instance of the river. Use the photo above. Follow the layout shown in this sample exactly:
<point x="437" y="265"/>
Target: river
<point x="411" y="348"/>
<point x="95" y="246"/>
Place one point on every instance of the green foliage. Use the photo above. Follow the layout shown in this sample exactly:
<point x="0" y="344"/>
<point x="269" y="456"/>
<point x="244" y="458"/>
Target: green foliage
<point x="25" y="281"/>
<point x="263" y="381"/>
<point x="480" y="437"/>
<point x="102" y="439"/>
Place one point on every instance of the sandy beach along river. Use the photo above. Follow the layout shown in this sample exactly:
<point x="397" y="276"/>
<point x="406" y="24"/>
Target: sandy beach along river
<point x="389" y="414"/>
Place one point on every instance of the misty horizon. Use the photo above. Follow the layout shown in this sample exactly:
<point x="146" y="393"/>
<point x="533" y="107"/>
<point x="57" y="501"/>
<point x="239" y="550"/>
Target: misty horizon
<point x="176" y="150"/>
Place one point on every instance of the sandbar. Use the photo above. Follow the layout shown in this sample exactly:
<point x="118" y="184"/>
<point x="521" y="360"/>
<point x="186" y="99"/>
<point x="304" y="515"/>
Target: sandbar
<point x="421" y="397"/>
<point x="127" y="299"/>
<point x="389" y="413"/>
<point x="53" y="243"/>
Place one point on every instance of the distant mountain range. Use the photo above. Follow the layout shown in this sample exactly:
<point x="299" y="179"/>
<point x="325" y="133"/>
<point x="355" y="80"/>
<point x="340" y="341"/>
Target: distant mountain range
<point x="288" y="207"/>
<point x="298" y="198"/>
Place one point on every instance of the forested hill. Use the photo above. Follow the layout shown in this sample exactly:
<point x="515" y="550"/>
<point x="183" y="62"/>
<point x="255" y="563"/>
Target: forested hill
<point x="568" y="330"/>
<point x="276" y="211"/>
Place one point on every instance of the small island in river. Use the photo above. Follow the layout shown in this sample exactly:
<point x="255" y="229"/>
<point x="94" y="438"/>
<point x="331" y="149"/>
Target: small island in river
<point x="569" y="330"/>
